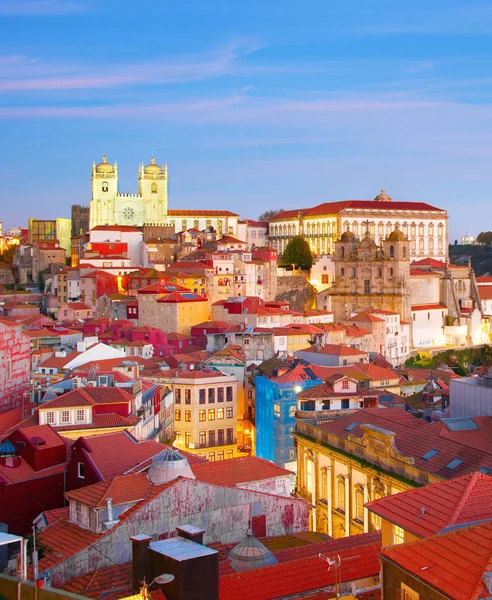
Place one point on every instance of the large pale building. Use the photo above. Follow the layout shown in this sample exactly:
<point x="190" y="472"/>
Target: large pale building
<point x="150" y="205"/>
<point x="424" y="225"/>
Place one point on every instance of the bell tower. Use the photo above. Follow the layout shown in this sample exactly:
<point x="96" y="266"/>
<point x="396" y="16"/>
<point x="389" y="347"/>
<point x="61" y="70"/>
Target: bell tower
<point x="152" y="187"/>
<point x="104" y="191"/>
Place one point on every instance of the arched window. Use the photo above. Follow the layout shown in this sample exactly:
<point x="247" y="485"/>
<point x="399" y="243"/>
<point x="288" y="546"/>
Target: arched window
<point x="341" y="494"/>
<point x="196" y="224"/>
<point x="431" y="244"/>
<point x="359" y="503"/>
<point x="405" y="229"/>
<point x="105" y="186"/>
<point x="153" y="188"/>
<point x="413" y="229"/>
<point x="389" y="228"/>
<point x="392" y="251"/>
<point x="440" y="229"/>
<point x="431" y="229"/>
<point x="421" y="243"/>
<point x="209" y="222"/>
<point x="421" y="229"/>
<point x="372" y="228"/>
<point x="342" y="252"/>
<point x="324" y="484"/>
<point x="380" y="228"/>
<point x="355" y="227"/>
<point x="404" y="251"/>
<point x="183" y="224"/>
<point x="440" y="243"/>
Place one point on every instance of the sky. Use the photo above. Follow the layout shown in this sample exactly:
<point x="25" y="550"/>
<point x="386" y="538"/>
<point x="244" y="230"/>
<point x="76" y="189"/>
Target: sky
<point x="253" y="104"/>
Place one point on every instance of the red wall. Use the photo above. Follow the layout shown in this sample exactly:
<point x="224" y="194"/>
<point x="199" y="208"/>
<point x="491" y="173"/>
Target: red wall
<point x="91" y="475"/>
<point x="38" y="457"/>
<point x="22" y="502"/>
<point x="104" y="409"/>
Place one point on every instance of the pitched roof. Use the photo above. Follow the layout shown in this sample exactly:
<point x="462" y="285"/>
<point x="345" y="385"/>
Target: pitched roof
<point x="237" y="470"/>
<point x="87" y="396"/>
<point x="428" y="307"/>
<point x="130" y="452"/>
<point x="335" y="350"/>
<point x="415" y="438"/>
<point x="200" y="213"/>
<point x="299" y="576"/>
<point x="428" y="262"/>
<point x="121" y="488"/>
<point x="431" y="509"/>
<point x="453" y="563"/>
<point x="122" y="228"/>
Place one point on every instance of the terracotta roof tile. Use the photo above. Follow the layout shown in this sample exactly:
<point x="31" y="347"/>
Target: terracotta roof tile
<point x="238" y="470"/>
<point x="121" y="488"/>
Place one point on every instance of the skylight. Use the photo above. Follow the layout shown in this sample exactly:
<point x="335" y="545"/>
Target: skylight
<point x="454" y="463"/>
<point x="351" y="426"/>
<point x="430" y="454"/>
<point x="484" y="470"/>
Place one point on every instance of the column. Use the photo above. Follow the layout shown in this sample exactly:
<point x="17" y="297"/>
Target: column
<point x="348" y="503"/>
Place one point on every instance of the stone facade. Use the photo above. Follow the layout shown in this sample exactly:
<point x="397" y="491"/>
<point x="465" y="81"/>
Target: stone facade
<point x="370" y="276"/>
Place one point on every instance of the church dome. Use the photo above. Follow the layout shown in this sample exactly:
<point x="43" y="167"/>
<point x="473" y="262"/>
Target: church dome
<point x="104" y="166"/>
<point x="153" y="168"/>
<point x="382" y="197"/>
<point x="396" y="236"/>
<point x="348" y="236"/>
<point x="250" y="554"/>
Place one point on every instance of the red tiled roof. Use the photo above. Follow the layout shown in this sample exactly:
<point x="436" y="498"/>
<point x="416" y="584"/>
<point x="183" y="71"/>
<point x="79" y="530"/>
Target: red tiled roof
<point x="299" y="576"/>
<point x="12" y="417"/>
<point x="104" y="421"/>
<point x="77" y="306"/>
<point x="122" y="228"/>
<point x="428" y="262"/>
<point x="428" y="510"/>
<point x="43" y="432"/>
<point x="95" y="583"/>
<point x="238" y="470"/>
<point x="485" y="292"/>
<point x="366" y="316"/>
<point x="484" y="279"/>
<point x="88" y="396"/>
<point x="200" y="213"/>
<point x="453" y="563"/>
<point x="129" y="454"/>
<point x="24" y="472"/>
<point x="121" y="488"/>
<point x="415" y="437"/>
<point x="416" y="307"/>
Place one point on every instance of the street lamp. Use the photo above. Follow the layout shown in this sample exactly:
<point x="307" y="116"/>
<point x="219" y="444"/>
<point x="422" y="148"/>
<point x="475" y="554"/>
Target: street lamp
<point x="160" y="579"/>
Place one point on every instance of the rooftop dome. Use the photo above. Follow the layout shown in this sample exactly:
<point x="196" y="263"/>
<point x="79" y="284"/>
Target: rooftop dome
<point x="396" y="236"/>
<point x="104" y="166"/>
<point x="382" y="197"/>
<point x="348" y="236"/>
<point x="250" y="554"/>
<point x="152" y="168"/>
<point x="168" y="465"/>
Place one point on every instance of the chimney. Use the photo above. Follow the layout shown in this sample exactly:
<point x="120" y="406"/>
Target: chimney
<point x="189" y="532"/>
<point x="140" y="565"/>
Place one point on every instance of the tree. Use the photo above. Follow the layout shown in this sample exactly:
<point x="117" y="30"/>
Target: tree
<point x="485" y="237"/>
<point x="269" y="214"/>
<point x="298" y="253"/>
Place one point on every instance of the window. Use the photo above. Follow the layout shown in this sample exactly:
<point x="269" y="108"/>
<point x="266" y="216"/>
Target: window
<point x="341" y="494"/>
<point x="104" y="186"/>
<point x="229" y="412"/>
<point x="80" y="416"/>
<point x="153" y="188"/>
<point x="178" y="437"/>
<point x="187" y="438"/>
<point x="220" y="413"/>
<point x="211" y="395"/>
<point x="359" y="504"/>
<point x="342" y="272"/>
<point x="65" y="416"/>
<point x="367" y="286"/>
<point x="211" y="456"/>
<point x="230" y="436"/>
<point x="398" y="535"/>
<point x="292" y="411"/>
<point x="407" y="593"/>
<point x="325" y="279"/>
<point x="392" y="251"/>
<point x="188" y="396"/>
<point x="230" y="454"/>
<point x="202" y="438"/>
<point x="188" y="416"/>
<point x="220" y="436"/>
<point x="229" y="394"/>
<point x="50" y="417"/>
<point x="93" y="519"/>
<point x="211" y="414"/>
<point x="345" y="404"/>
<point x="428" y="316"/>
<point x="201" y="396"/>
<point x="81" y="470"/>
<point x="177" y="415"/>
<point x="345" y="384"/>
<point x="220" y="394"/>
<point x="177" y="396"/>
<point x="211" y="438"/>
<point x="324" y="484"/>
<point x="391" y="272"/>
<point x="354" y="272"/>
<point x="202" y="416"/>
<point x="78" y="511"/>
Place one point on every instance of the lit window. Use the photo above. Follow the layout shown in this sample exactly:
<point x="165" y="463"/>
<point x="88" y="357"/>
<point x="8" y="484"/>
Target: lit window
<point x="211" y="414"/>
<point x="188" y="416"/>
<point x="177" y="415"/>
<point x="229" y="413"/>
<point x="202" y="416"/>
<point x="359" y="504"/>
<point x="177" y="396"/>
<point x="220" y="413"/>
<point x="398" y="535"/>
<point x="341" y="494"/>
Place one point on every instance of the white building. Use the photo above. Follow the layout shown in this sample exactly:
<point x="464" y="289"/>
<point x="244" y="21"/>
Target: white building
<point x="428" y="325"/>
<point x="255" y="233"/>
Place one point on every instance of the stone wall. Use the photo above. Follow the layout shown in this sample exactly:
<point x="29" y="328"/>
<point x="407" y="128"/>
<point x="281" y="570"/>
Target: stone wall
<point x="297" y="291"/>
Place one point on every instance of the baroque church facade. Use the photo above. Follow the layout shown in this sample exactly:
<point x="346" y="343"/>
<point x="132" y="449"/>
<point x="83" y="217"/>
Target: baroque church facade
<point x="150" y="205"/>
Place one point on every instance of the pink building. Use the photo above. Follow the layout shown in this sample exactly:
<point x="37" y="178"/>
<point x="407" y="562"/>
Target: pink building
<point x="70" y="311"/>
<point x="15" y="362"/>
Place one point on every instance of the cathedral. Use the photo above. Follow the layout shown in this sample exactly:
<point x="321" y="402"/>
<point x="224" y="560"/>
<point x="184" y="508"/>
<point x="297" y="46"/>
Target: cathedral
<point x="150" y="205"/>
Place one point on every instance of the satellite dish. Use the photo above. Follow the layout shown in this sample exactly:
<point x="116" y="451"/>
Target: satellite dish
<point x="164" y="578"/>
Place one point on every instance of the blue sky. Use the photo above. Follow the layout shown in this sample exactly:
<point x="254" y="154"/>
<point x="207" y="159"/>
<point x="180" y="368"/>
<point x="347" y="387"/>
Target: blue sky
<point x="253" y="105"/>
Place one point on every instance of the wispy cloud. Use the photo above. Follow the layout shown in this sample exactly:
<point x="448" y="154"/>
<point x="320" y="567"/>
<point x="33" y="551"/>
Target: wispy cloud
<point x="28" y="8"/>
<point x="27" y="74"/>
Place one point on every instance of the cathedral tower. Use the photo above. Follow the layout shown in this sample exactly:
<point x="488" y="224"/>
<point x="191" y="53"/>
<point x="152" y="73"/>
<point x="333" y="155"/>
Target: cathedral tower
<point x="104" y="191"/>
<point x="152" y="187"/>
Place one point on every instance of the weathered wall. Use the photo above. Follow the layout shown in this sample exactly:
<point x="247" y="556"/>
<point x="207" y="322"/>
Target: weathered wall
<point x="224" y="513"/>
<point x="297" y="291"/>
<point x="15" y="363"/>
